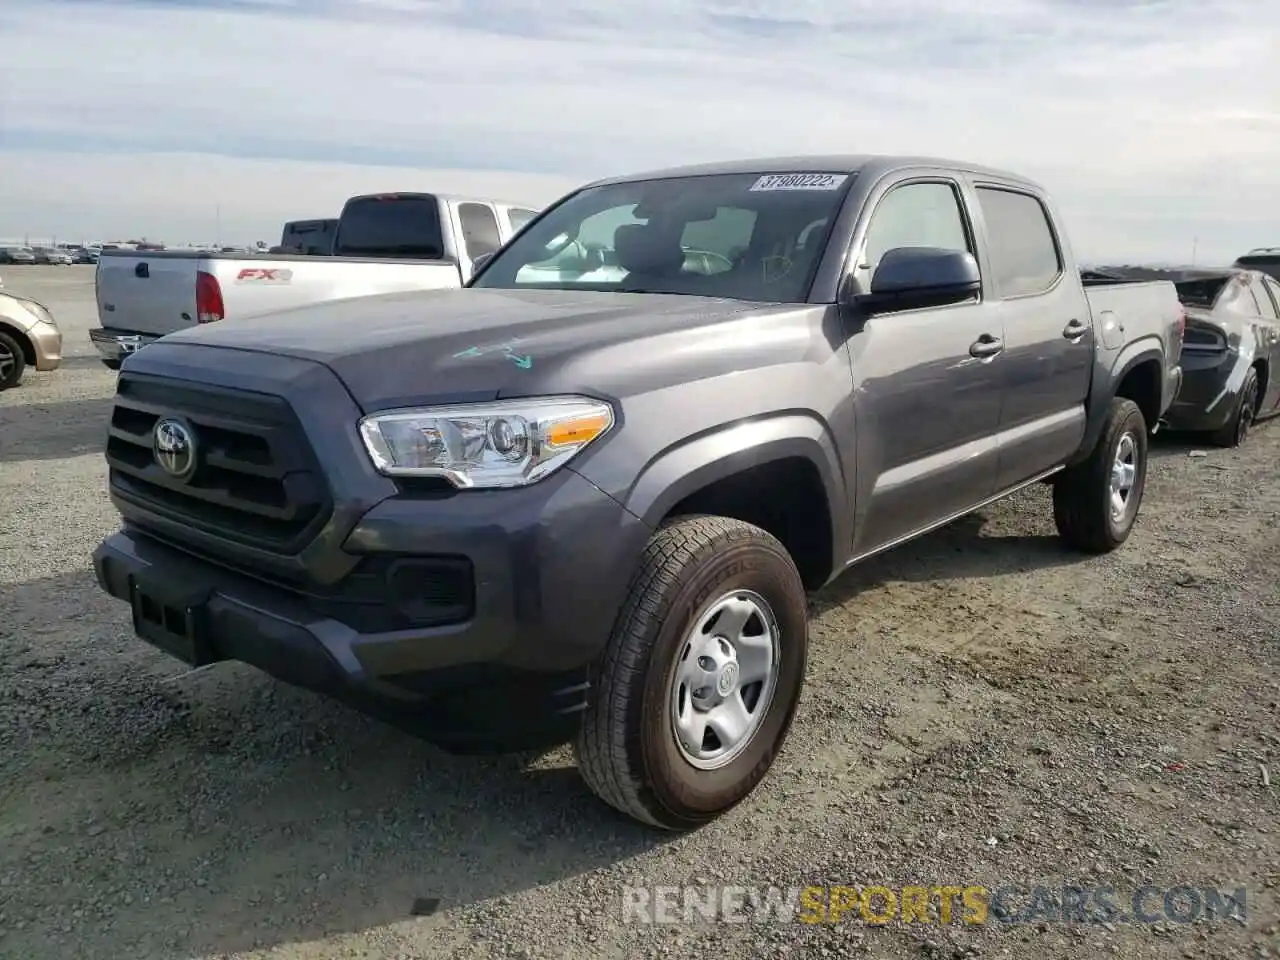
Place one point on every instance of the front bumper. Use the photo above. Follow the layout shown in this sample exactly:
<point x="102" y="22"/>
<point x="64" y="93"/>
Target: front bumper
<point x="551" y="566"/>
<point x="118" y="344"/>
<point x="46" y="338"/>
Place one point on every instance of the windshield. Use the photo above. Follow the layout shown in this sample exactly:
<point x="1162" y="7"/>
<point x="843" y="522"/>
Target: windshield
<point x="397" y="225"/>
<point x="740" y="236"/>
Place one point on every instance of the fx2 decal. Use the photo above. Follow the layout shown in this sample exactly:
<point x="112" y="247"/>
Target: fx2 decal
<point x="264" y="275"/>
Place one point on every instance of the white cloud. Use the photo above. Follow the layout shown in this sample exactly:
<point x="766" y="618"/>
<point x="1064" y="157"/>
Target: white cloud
<point x="1154" y="122"/>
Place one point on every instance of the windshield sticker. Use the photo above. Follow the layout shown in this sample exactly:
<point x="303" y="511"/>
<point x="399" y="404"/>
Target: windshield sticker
<point x="800" y="181"/>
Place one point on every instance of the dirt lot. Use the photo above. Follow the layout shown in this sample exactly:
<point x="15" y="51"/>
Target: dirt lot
<point x="981" y="709"/>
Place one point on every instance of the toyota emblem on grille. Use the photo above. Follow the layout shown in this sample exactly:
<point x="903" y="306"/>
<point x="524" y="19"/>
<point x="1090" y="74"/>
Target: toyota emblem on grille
<point x="174" y="446"/>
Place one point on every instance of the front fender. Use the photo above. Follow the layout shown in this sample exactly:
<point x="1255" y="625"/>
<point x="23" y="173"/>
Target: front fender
<point x="702" y="460"/>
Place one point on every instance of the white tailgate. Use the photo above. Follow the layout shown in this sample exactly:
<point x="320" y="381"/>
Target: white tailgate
<point x="253" y="287"/>
<point x="144" y="294"/>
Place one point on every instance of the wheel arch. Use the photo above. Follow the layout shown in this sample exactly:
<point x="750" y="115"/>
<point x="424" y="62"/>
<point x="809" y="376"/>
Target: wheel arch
<point x="1138" y="375"/>
<point x="20" y="337"/>
<point x="782" y="473"/>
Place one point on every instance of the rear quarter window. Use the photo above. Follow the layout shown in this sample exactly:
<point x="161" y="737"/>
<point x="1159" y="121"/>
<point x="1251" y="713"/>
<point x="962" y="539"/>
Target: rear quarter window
<point x="1025" y="258"/>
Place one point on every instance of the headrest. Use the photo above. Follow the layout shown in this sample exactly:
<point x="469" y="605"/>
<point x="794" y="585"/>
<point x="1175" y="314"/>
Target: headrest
<point x="643" y="248"/>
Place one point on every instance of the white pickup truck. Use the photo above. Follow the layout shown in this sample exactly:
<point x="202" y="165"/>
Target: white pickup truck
<point x="384" y="243"/>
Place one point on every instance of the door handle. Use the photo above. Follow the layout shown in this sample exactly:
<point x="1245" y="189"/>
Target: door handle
<point x="986" y="347"/>
<point x="1074" y="330"/>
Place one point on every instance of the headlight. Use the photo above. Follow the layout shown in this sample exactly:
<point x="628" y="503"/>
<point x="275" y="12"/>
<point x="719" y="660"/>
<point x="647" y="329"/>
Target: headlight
<point x="507" y="443"/>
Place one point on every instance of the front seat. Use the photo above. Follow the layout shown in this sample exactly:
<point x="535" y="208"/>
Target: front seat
<point x="648" y="252"/>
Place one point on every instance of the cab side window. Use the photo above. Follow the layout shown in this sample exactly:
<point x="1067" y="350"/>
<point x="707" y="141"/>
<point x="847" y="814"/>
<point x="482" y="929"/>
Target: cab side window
<point x="520" y="218"/>
<point x="479" y="229"/>
<point x="915" y="215"/>
<point x="1025" y="259"/>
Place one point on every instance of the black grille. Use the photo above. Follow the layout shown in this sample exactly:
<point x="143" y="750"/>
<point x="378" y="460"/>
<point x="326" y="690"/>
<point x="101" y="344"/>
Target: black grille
<point x="257" y="481"/>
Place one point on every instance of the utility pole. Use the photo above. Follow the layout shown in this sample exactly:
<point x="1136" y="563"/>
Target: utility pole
<point x="1195" y="245"/>
<point x="217" y="232"/>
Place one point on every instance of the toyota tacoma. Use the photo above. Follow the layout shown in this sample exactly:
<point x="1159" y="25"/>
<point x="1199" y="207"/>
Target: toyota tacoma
<point x="584" y="497"/>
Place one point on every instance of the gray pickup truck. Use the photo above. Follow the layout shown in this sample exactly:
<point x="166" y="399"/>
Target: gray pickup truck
<point x="584" y="497"/>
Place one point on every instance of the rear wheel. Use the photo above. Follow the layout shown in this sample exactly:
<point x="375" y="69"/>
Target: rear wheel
<point x="1095" y="503"/>
<point x="12" y="362"/>
<point x="697" y="687"/>
<point x="1236" y="430"/>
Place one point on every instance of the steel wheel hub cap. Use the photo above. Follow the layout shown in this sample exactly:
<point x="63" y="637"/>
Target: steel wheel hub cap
<point x="725" y="679"/>
<point x="1124" y="473"/>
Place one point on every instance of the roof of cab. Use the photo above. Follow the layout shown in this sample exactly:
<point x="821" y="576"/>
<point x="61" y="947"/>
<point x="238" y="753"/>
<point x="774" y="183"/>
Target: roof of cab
<point x="443" y="197"/>
<point x="870" y="164"/>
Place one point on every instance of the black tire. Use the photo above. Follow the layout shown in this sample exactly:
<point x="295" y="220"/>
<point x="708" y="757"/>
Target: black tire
<point x="1236" y="430"/>
<point x="12" y="361"/>
<point x="1082" y="495"/>
<point x="626" y="748"/>
<point x="111" y="364"/>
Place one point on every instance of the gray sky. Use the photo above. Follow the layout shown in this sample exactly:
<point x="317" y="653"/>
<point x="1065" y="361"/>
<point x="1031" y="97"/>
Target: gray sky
<point x="1155" y="123"/>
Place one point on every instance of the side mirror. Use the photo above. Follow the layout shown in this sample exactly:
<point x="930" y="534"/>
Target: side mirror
<point x="479" y="262"/>
<point x="909" y="278"/>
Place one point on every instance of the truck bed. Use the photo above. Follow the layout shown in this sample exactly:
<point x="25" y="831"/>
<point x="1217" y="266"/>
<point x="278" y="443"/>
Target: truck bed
<point x="153" y="294"/>
<point x="1126" y="311"/>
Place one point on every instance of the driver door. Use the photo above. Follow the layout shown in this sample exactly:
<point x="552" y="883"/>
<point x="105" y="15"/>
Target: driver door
<point x="927" y="393"/>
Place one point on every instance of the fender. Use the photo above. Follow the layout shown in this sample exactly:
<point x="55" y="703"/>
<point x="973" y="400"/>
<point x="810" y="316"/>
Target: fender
<point x="693" y="464"/>
<point x="1107" y="381"/>
<point x="1246" y="353"/>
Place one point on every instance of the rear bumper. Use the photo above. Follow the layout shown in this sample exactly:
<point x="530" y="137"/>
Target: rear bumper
<point x="46" y="339"/>
<point x="118" y="344"/>
<point x="1172" y="387"/>
<point x="1210" y="386"/>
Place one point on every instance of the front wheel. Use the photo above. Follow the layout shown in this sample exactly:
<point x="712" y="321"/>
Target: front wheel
<point x="12" y="361"/>
<point x="695" y="692"/>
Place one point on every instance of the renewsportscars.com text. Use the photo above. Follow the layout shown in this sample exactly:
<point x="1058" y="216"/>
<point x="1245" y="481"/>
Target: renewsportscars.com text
<point x="937" y="904"/>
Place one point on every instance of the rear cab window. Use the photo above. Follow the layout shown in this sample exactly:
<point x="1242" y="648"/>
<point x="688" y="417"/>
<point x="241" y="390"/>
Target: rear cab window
<point x="391" y="225"/>
<point x="1025" y="256"/>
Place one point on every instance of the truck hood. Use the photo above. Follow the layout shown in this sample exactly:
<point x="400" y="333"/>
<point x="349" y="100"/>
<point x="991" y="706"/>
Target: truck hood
<point x="454" y="346"/>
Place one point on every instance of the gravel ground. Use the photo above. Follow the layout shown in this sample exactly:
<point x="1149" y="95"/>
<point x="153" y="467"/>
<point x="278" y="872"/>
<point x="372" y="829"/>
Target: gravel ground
<point x="982" y="708"/>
